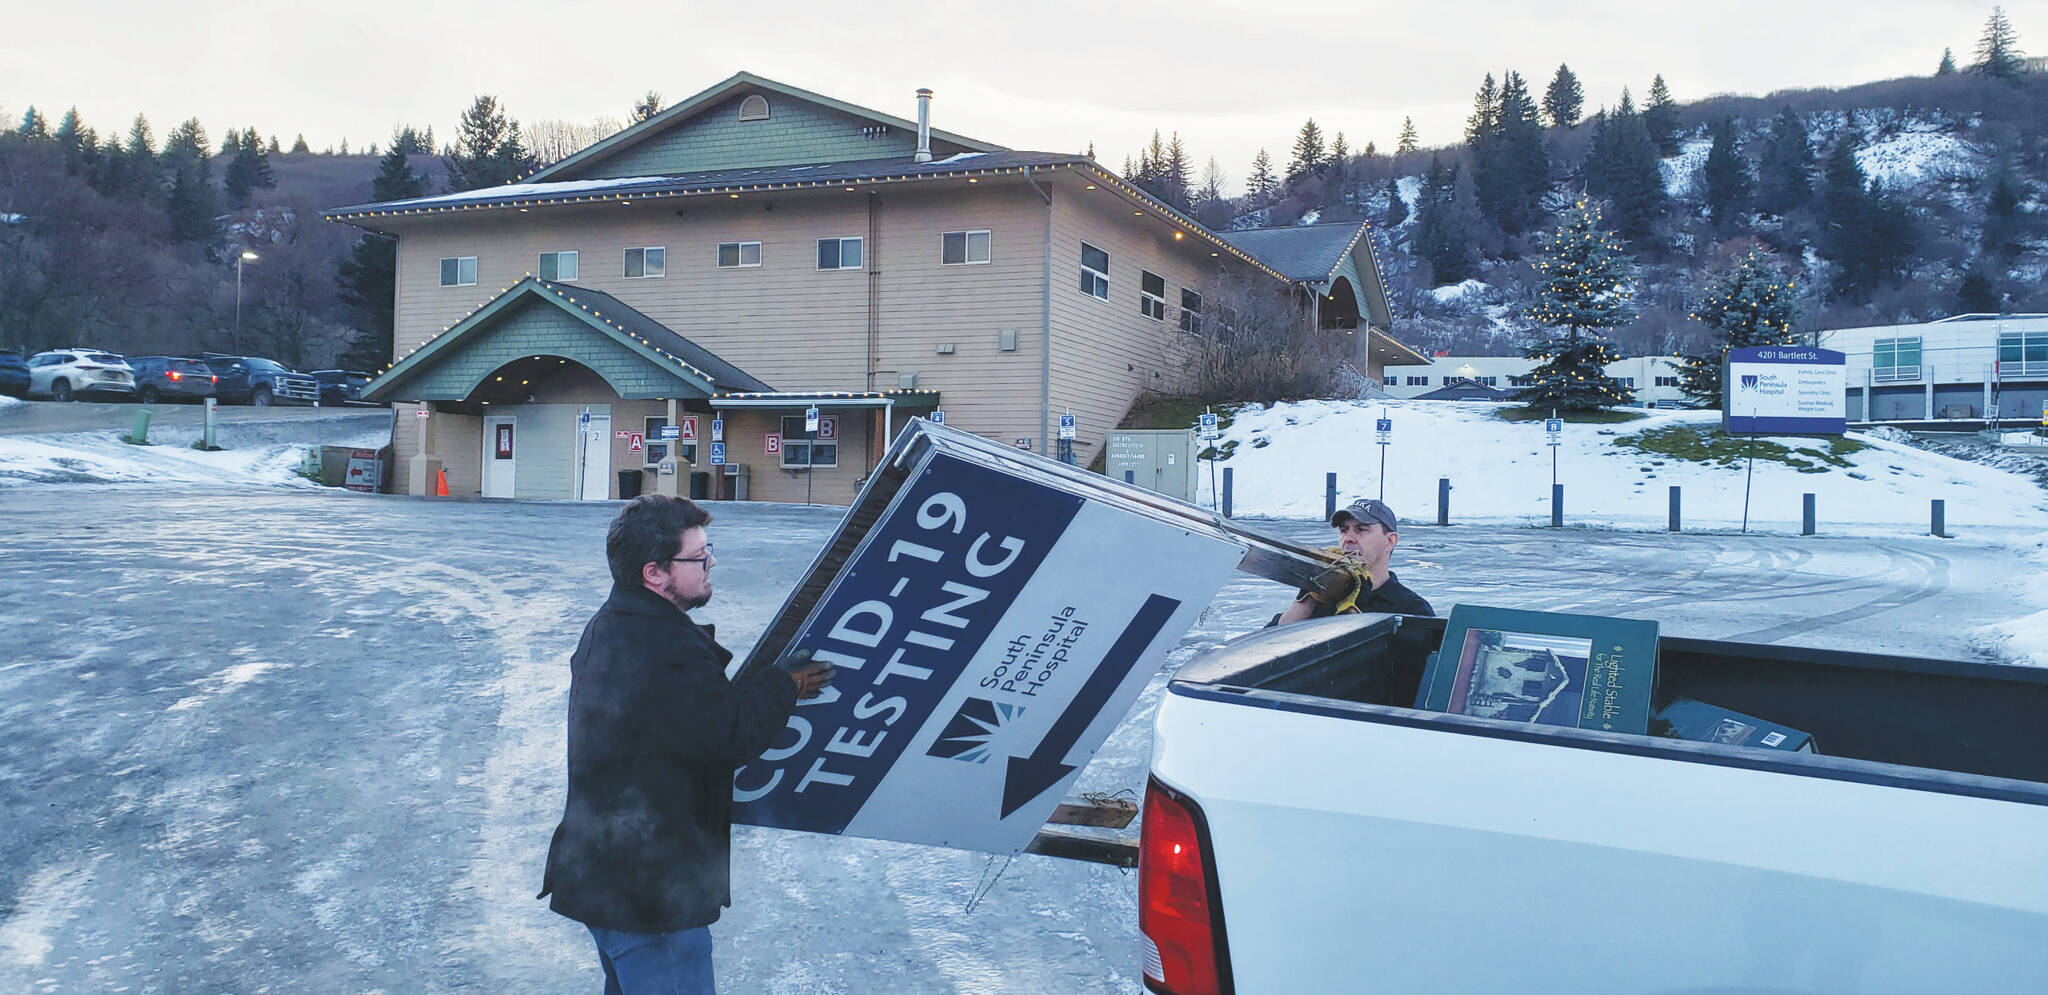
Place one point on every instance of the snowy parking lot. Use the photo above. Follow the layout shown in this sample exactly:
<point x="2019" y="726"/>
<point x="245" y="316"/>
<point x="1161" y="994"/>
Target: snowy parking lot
<point x="285" y="740"/>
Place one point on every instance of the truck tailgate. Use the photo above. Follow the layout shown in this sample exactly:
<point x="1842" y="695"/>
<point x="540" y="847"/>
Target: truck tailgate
<point x="1361" y="846"/>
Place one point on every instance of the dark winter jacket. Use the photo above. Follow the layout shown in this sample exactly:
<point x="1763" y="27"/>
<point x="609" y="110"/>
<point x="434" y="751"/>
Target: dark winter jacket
<point x="1390" y="598"/>
<point x="655" y="733"/>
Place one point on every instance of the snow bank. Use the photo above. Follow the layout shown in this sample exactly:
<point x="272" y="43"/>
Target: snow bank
<point x="1500" y="472"/>
<point x="257" y="454"/>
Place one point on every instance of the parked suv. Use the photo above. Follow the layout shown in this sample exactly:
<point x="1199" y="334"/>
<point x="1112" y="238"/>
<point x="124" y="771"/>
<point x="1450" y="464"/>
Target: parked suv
<point x="175" y="378"/>
<point x="13" y="373"/>
<point x="341" y="386"/>
<point x="68" y="373"/>
<point x="252" y="380"/>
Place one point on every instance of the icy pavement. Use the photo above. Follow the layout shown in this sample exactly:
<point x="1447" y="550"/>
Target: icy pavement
<point x="258" y="448"/>
<point x="280" y="740"/>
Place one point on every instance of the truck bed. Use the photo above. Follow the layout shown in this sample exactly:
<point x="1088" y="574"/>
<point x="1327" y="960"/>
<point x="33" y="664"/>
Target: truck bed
<point x="1358" y="843"/>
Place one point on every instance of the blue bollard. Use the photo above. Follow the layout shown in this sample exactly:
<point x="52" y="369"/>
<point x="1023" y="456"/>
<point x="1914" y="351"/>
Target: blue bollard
<point x="1939" y="526"/>
<point x="1557" y="506"/>
<point x="1806" y="516"/>
<point x="1443" y="500"/>
<point x="1674" y="507"/>
<point x="1228" y="473"/>
<point x="1329" y="495"/>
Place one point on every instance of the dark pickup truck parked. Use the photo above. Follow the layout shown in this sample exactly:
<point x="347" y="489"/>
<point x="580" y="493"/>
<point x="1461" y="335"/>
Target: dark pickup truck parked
<point x="252" y="380"/>
<point x="172" y="378"/>
<point x="341" y="386"/>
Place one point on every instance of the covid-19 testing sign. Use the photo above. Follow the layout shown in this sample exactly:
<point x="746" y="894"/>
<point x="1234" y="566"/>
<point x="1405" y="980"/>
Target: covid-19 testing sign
<point x="990" y="625"/>
<point x="1785" y="390"/>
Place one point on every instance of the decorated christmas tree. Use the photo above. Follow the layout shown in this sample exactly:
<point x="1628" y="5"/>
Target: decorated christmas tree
<point x="1585" y="286"/>
<point x="1750" y="305"/>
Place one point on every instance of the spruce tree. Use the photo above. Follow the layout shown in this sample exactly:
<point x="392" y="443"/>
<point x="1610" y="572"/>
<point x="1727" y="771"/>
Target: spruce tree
<point x="1397" y="209"/>
<point x="1725" y="177"/>
<point x="1485" y="116"/>
<point x="272" y="147"/>
<point x="1998" y="52"/>
<point x="248" y="171"/>
<point x="1448" y="224"/>
<point x="33" y="126"/>
<point x="478" y="158"/>
<point x="369" y="276"/>
<point x="74" y="140"/>
<point x="2002" y="220"/>
<point x="1340" y="165"/>
<point x="1948" y="64"/>
<point x="1976" y="294"/>
<point x="1408" y="142"/>
<point x="1563" y="100"/>
<point x="299" y="145"/>
<point x="190" y="203"/>
<point x="1660" y="118"/>
<point x="1749" y="305"/>
<point x="1260" y="181"/>
<point x="1309" y="153"/>
<point x="231" y="143"/>
<point x="1585" y="286"/>
<point x="1622" y="167"/>
<point x="1176" y="173"/>
<point x="1523" y="161"/>
<point x="1784" y="176"/>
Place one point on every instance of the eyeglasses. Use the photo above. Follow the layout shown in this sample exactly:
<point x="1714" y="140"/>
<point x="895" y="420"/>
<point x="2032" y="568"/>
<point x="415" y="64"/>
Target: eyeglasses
<point x="705" y="559"/>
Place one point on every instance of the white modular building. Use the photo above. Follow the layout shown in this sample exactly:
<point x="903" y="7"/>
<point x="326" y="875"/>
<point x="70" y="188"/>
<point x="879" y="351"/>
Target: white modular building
<point x="1969" y="367"/>
<point x="1654" y="379"/>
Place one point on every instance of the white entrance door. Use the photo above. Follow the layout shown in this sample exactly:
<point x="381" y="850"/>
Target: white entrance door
<point x="594" y="451"/>
<point x="500" y="450"/>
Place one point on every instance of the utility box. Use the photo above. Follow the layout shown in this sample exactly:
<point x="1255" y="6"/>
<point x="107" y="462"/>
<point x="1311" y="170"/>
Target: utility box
<point x="1160" y="459"/>
<point x="736" y="481"/>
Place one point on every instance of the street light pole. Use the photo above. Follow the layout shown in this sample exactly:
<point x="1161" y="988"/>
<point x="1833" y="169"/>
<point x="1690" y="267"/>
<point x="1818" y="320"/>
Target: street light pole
<point x="246" y="256"/>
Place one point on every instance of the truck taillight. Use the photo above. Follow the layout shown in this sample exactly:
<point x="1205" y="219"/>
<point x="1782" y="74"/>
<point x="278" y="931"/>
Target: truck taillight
<point x="174" y="374"/>
<point x="1180" y="917"/>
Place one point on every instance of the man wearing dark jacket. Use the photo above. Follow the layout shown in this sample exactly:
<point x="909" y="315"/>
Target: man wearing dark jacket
<point x="643" y="854"/>
<point x="1362" y="580"/>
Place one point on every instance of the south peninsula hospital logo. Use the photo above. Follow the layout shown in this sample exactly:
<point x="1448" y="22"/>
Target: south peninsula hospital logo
<point x="1749" y="381"/>
<point x="967" y="737"/>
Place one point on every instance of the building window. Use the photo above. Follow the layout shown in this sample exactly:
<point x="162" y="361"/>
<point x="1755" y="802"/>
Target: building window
<point x="459" y="271"/>
<point x="1489" y="381"/>
<point x="1629" y="382"/>
<point x="1418" y="381"/>
<point x="964" y="248"/>
<point x="2023" y="352"/>
<point x="799" y="452"/>
<point x="1190" y="311"/>
<point x="648" y="262"/>
<point x="754" y="108"/>
<point x="558" y="266"/>
<point x="1094" y="271"/>
<point x="732" y="254"/>
<point x="1523" y="380"/>
<point x="1152" y="295"/>
<point x="658" y="447"/>
<point x="833" y="253"/>
<point x="1895" y="359"/>
<point x="1667" y="381"/>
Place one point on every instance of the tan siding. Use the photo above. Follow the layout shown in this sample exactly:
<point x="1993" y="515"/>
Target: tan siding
<point x="796" y="132"/>
<point x="799" y="328"/>
<point x="1105" y="353"/>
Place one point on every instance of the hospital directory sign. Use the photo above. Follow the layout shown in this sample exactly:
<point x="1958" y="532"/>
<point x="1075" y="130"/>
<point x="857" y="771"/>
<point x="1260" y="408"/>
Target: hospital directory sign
<point x="1785" y="390"/>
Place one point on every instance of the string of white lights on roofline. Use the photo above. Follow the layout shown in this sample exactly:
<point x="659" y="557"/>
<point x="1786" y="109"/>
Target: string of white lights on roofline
<point x="1101" y="175"/>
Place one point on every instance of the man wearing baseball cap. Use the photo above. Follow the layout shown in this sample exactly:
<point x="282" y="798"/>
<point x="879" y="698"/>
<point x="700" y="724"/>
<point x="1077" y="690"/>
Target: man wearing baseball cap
<point x="1360" y="582"/>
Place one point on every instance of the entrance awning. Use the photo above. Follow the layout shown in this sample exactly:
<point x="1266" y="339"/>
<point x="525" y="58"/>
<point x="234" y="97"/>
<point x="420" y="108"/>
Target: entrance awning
<point x="639" y="358"/>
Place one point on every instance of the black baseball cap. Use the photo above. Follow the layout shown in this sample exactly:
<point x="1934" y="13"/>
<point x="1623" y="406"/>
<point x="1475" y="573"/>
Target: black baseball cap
<point x="1367" y="510"/>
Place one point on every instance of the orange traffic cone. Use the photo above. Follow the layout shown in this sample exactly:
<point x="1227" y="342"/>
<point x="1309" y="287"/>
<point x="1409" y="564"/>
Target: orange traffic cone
<point x="441" y="485"/>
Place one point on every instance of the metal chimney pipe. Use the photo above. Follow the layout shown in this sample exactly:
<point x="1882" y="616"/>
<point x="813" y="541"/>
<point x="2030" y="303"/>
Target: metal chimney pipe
<point x="924" y="125"/>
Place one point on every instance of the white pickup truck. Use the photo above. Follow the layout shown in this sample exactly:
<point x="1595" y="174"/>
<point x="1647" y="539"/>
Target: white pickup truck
<point x="1304" y="831"/>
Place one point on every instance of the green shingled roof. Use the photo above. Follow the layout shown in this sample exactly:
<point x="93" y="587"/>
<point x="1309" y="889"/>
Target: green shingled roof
<point x="1307" y="253"/>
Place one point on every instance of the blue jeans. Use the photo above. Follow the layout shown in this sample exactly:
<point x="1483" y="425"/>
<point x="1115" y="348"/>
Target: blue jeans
<point x="656" y="963"/>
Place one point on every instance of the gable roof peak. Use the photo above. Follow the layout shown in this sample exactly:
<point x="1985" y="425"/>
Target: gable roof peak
<point x="718" y="92"/>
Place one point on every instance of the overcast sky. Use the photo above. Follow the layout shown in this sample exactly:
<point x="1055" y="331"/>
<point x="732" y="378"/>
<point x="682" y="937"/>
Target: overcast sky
<point x="1230" y="77"/>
